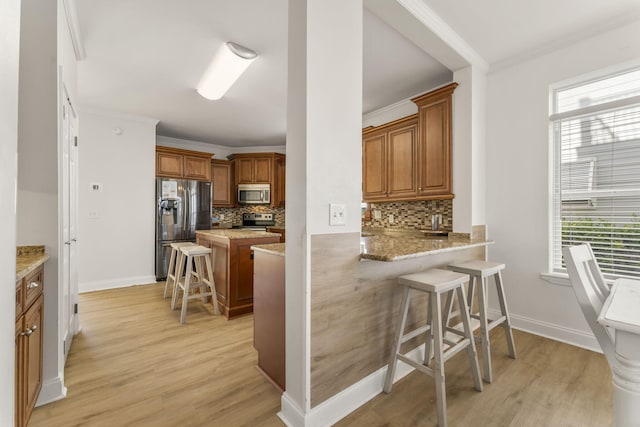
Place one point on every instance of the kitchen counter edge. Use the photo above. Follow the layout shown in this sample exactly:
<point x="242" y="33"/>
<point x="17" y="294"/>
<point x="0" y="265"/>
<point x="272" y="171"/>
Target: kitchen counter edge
<point x="28" y="259"/>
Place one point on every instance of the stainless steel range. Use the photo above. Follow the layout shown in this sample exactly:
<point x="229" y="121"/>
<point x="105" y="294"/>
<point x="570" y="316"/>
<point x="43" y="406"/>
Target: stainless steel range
<point x="256" y="221"/>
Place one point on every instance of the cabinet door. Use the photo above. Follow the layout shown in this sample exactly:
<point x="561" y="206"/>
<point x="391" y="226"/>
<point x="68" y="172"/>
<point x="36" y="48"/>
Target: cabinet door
<point x="402" y="150"/>
<point x="374" y="167"/>
<point x="221" y="179"/>
<point x="33" y="355"/>
<point x="262" y="170"/>
<point x="435" y="148"/>
<point x="197" y="168"/>
<point x="19" y="385"/>
<point x="169" y="164"/>
<point x="244" y="170"/>
<point x="278" y="190"/>
<point x="244" y="278"/>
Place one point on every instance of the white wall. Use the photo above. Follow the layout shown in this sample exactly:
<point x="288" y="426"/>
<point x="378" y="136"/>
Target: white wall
<point x="219" y="151"/>
<point x="518" y="196"/>
<point x="116" y="246"/>
<point x="9" y="61"/>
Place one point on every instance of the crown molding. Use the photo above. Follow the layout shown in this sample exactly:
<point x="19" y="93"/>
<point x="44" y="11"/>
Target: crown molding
<point x="74" y="29"/>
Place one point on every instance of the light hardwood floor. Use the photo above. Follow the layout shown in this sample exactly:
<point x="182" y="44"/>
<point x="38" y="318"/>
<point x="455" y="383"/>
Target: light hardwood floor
<point x="133" y="364"/>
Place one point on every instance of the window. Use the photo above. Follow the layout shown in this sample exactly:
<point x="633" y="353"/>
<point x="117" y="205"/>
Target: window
<point x="596" y="179"/>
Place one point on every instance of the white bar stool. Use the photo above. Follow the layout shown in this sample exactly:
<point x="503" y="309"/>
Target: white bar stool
<point x="173" y="263"/>
<point x="435" y="282"/>
<point x="479" y="271"/>
<point x="194" y="255"/>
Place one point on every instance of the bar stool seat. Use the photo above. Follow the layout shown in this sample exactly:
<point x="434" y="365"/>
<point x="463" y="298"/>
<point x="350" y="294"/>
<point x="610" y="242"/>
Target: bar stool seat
<point x="174" y="260"/>
<point x="202" y="279"/>
<point x="435" y="282"/>
<point x="479" y="270"/>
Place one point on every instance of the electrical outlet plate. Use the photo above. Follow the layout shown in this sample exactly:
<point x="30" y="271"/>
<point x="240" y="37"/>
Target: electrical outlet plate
<point x="337" y="214"/>
<point x="377" y="215"/>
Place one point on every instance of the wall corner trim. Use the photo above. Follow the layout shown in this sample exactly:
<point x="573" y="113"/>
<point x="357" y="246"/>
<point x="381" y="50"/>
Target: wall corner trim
<point x="52" y="389"/>
<point x="70" y="11"/>
<point x="348" y="400"/>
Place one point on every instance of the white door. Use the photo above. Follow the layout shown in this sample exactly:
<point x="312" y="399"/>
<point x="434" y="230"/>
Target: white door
<point x="69" y="169"/>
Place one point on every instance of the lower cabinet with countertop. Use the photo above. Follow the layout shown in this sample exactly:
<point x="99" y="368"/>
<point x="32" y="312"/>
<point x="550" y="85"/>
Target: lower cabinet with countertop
<point x="232" y="261"/>
<point x="269" y="311"/>
<point x="29" y="329"/>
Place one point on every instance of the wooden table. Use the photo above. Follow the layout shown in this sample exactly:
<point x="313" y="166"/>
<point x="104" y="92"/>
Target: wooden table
<point x="621" y="312"/>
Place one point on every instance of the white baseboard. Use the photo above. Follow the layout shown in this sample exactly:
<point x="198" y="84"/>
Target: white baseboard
<point x="552" y="331"/>
<point x="102" y="285"/>
<point x="348" y="400"/>
<point x="52" y="390"/>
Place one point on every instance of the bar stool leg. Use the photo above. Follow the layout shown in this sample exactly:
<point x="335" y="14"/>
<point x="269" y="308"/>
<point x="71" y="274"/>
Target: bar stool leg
<point x="438" y="369"/>
<point x="170" y="273"/>
<point x="503" y="308"/>
<point x="402" y="319"/>
<point x="178" y="275"/>
<point x="200" y="277"/>
<point x="185" y="293"/>
<point x="471" y="349"/>
<point x="429" y="337"/>
<point x="484" y="331"/>
<point x="212" y="285"/>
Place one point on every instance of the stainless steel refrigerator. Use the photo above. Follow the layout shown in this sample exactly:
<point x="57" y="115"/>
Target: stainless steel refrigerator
<point x="182" y="207"/>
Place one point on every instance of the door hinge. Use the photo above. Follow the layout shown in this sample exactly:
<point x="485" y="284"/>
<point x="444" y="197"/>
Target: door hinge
<point x="75" y="141"/>
<point x="75" y="308"/>
<point x="64" y="347"/>
<point x="64" y="111"/>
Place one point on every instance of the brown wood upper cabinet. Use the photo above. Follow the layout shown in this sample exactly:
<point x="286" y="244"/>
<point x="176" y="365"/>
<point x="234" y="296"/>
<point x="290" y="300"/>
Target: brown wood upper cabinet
<point x="389" y="160"/>
<point x="262" y="168"/>
<point x="222" y="184"/>
<point x="410" y="158"/>
<point x="177" y="163"/>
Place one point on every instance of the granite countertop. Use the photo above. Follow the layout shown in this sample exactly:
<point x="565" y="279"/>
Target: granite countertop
<point x="28" y="258"/>
<point x="236" y="233"/>
<point x="275" y="227"/>
<point x="271" y="248"/>
<point x="384" y="246"/>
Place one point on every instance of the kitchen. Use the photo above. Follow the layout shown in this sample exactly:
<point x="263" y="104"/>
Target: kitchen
<point x="134" y="149"/>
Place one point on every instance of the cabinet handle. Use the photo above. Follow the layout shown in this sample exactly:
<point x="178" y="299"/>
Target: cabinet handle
<point x="33" y="285"/>
<point x="420" y="188"/>
<point x="34" y="328"/>
<point x="27" y="333"/>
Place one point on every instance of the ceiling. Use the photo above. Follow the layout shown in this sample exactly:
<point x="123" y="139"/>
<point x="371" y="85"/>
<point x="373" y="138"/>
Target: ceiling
<point x="146" y="57"/>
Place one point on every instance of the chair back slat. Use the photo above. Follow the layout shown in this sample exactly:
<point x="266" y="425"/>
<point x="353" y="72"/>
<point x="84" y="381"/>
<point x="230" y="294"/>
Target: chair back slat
<point x="591" y="291"/>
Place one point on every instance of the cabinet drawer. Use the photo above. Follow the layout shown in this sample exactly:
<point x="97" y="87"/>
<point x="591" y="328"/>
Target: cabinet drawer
<point x="33" y="286"/>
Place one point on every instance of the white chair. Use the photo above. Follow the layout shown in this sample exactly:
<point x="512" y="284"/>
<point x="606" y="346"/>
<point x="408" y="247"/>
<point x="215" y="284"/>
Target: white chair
<point x="202" y="279"/>
<point x="436" y="283"/>
<point x="591" y="292"/>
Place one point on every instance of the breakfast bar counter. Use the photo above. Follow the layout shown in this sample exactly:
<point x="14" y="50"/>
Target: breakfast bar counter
<point x="396" y="246"/>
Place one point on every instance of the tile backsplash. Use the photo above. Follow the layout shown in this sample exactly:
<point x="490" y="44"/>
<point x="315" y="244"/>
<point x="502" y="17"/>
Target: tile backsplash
<point x="233" y="216"/>
<point x="411" y="215"/>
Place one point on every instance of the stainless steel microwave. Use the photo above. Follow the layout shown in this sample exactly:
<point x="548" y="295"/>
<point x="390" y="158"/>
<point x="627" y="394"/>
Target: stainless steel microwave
<point x="254" y="194"/>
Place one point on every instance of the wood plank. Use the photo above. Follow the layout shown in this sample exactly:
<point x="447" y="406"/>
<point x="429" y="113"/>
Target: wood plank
<point x="134" y="364"/>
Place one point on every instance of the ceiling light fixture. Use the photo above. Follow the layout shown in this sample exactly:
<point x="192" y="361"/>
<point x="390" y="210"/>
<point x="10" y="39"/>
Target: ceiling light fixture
<point x="226" y="66"/>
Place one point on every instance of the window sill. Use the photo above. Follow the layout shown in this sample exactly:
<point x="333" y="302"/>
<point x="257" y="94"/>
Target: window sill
<point x="560" y="279"/>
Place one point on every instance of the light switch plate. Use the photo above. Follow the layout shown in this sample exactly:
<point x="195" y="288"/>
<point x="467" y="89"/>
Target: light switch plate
<point x="337" y="214"/>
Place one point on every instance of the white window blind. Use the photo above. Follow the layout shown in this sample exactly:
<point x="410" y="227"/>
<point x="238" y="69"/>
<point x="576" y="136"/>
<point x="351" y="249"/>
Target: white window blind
<point x="596" y="189"/>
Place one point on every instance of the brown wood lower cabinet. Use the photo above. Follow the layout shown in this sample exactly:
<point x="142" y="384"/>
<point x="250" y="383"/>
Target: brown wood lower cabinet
<point x="232" y="262"/>
<point x="29" y="323"/>
<point x="269" y="316"/>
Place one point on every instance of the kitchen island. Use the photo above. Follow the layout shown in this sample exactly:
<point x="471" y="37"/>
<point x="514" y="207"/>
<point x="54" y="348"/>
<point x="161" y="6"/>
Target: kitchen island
<point x="232" y="262"/>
